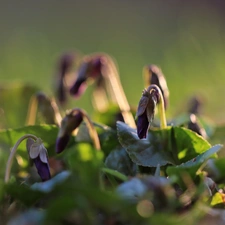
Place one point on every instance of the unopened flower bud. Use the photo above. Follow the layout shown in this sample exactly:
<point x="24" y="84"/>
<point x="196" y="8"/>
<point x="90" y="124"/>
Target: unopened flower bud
<point x="65" y="64"/>
<point x="146" y="111"/>
<point x="195" y="105"/>
<point x="69" y="123"/>
<point x="38" y="154"/>
<point x="194" y="126"/>
<point x="90" y="68"/>
<point x="155" y="76"/>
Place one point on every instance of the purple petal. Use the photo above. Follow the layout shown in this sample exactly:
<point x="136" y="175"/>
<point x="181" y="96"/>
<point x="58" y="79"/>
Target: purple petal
<point x="42" y="168"/>
<point x="78" y="88"/>
<point x="61" y="143"/>
<point x="142" y="125"/>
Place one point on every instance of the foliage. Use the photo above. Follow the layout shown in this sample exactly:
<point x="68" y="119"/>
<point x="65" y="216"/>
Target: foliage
<point x="172" y="176"/>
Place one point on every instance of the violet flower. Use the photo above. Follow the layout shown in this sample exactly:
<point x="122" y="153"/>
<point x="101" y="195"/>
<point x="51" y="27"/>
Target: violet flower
<point x="38" y="154"/>
<point x="90" y="68"/>
<point x="65" y="65"/>
<point x="146" y="111"/>
<point x="69" y="123"/>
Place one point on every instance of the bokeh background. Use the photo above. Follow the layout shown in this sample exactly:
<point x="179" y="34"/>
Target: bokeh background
<point x="185" y="38"/>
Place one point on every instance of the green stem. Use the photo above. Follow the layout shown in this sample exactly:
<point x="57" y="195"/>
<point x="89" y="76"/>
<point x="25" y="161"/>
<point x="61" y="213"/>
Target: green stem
<point x="162" y="111"/>
<point x="112" y="78"/>
<point x="12" y="154"/>
<point x="92" y="131"/>
<point x="161" y="107"/>
<point x="32" y="111"/>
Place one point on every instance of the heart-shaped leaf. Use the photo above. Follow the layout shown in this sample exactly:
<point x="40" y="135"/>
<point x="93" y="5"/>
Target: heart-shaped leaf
<point x="173" y="145"/>
<point x="47" y="133"/>
<point x="192" y="166"/>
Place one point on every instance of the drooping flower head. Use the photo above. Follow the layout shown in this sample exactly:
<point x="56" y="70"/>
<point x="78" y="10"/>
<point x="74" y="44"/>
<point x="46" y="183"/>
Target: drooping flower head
<point x="90" y="68"/>
<point x="146" y="110"/>
<point x="194" y="125"/>
<point x="38" y="154"/>
<point x="65" y="64"/>
<point x="153" y="75"/>
<point x="68" y="124"/>
<point x="195" y="105"/>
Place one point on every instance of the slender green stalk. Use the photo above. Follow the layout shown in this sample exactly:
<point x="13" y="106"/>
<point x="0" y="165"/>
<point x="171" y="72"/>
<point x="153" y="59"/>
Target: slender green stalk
<point x="161" y="107"/>
<point x="92" y="131"/>
<point x="116" y="90"/>
<point x="32" y="111"/>
<point x="100" y="100"/>
<point x="58" y="117"/>
<point x="162" y="111"/>
<point x="12" y="154"/>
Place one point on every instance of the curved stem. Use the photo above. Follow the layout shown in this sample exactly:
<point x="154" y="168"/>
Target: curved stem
<point x="162" y="114"/>
<point x="100" y="100"/>
<point x="12" y="154"/>
<point x="55" y="108"/>
<point x="162" y="111"/>
<point x="32" y="111"/>
<point x="92" y="131"/>
<point x="113" y="80"/>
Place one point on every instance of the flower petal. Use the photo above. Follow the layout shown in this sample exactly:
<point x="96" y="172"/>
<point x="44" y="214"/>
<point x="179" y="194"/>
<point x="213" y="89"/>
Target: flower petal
<point x="142" y="125"/>
<point x="61" y="143"/>
<point x="34" y="150"/>
<point x="43" y="169"/>
<point x="43" y="155"/>
<point x="29" y="143"/>
<point x="142" y="105"/>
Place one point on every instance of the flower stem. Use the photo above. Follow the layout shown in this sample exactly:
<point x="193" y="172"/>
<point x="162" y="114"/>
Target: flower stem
<point x="32" y="111"/>
<point x="92" y="131"/>
<point x="12" y="154"/>
<point x="117" y="92"/>
<point x="162" y="111"/>
<point x="33" y="107"/>
<point x="161" y="107"/>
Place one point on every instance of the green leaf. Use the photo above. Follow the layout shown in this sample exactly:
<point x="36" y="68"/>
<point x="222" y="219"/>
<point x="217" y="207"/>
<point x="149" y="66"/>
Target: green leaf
<point x="218" y="199"/>
<point x="48" y="134"/>
<point x="145" y="152"/>
<point x="9" y="137"/>
<point x="119" y="160"/>
<point x="192" y="166"/>
<point x="173" y="145"/>
<point x="115" y="173"/>
<point x="24" y="193"/>
<point x="188" y="144"/>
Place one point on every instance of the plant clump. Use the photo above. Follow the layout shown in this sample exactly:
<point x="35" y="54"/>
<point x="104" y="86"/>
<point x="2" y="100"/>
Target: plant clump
<point x="75" y="169"/>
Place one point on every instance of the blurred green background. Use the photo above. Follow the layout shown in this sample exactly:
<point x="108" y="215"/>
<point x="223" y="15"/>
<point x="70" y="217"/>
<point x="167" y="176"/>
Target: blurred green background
<point x="185" y="38"/>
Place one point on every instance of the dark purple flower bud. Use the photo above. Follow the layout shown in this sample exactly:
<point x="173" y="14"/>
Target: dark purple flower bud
<point x="155" y="76"/>
<point x="62" y="142"/>
<point x="65" y="65"/>
<point x="38" y="154"/>
<point x="195" y="105"/>
<point x="146" y="111"/>
<point x="142" y="124"/>
<point x="194" y="126"/>
<point x="90" y="68"/>
<point x="66" y="62"/>
<point x="69" y="123"/>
